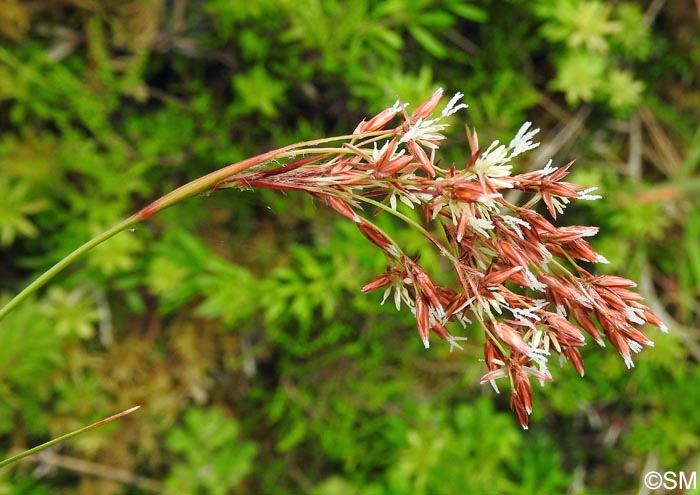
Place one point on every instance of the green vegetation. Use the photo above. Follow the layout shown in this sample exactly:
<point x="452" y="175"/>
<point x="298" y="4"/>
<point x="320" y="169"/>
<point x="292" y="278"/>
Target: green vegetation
<point x="235" y="319"/>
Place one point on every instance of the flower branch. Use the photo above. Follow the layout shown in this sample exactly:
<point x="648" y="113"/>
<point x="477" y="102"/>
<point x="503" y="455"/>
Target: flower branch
<point x="518" y="274"/>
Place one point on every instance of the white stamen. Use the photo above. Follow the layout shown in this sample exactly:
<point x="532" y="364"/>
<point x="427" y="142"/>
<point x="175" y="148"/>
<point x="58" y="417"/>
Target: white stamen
<point x="377" y="153"/>
<point x="494" y="161"/>
<point x="412" y="132"/>
<point x="633" y="315"/>
<point x="481" y="225"/>
<point x="510" y="220"/>
<point x="453" y="342"/>
<point x="548" y="169"/>
<point x="398" y="106"/>
<point x="601" y="259"/>
<point x="532" y="280"/>
<point x="463" y="320"/>
<point x="560" y="203"/>
<point x="437" y="315"/>
<point x="522" y="314"/>
<point x="587" y="196"/>
<point x="424" y="132"/>
<point x="450" y="109"/>
<point x="547" y="256"/>
<point x="635" y="347"/>
<point x="515" y="223"/>
<point x="522" y="140"/>
<point x="539" y="356"/>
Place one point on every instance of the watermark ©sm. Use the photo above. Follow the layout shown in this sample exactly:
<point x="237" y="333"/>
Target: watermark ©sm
<point x="670" y="480"/>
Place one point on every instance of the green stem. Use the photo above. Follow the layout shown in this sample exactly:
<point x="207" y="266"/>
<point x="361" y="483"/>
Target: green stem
<point x="409" y="221"/>
<point x="494" y="338"/>
<point x="67" y="436"/>
<point x="54" y="270"/>
<point x="197" y="186"/>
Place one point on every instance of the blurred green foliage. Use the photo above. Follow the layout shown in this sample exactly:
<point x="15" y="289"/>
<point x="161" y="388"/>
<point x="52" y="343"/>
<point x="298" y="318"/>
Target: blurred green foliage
<point x="235" y="320"/>
<point x="601" y="40"/>
<point x="215" y="461"/>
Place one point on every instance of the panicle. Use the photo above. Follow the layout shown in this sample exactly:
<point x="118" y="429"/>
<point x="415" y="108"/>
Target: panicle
<point x="516" y="274"/>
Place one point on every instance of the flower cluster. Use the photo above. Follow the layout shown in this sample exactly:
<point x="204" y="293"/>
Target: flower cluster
<point x="517" y="273"/>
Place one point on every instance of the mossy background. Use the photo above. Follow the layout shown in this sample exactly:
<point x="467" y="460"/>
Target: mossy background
<point x="236" y="321"/>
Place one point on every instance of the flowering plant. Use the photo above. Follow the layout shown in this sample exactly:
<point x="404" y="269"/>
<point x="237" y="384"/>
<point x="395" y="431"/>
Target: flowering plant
<point x="516" y="274"/>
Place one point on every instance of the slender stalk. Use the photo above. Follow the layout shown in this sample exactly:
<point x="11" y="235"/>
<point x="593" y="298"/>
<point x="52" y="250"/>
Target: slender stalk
<point x="409" y="221"/>
<point x="193" y="188"/>
<point x="58" y="267"/>
<point x="67" y="436"/>
<point x="494" y="338"/>
<point x="99" y="470"/>
<point x="315" y="151"/>
<point x="210" y="181"/>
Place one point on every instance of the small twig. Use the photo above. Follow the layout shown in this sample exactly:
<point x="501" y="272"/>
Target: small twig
<point x="105" y="318"/>
<point x="651" y="464"/>
<point x="99" y="470"/>
<point x="563" y="137"/>
<point x="654" y="9"/>
<point x="634" y="162"/>
<point x="463" y="42"/>
<point x="578" y="480"/>
<point x="646" y="287"/>
<point x="671" y="161"/>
